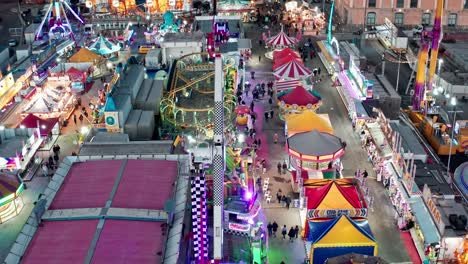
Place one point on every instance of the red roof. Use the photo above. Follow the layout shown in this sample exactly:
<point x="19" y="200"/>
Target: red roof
<point x="317" y="195"/>
<point x="299" y="96"/>
<point x="76" y="75"/>
<point x="45" y="125"/>
<point x="285" y="59"/>
<point x="284" y="52"/>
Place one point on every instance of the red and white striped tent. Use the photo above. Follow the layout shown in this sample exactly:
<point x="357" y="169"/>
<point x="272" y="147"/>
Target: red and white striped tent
<point x="282" y="85"/>
<point x="292" y="70"/>
<point x="281" y="41"/>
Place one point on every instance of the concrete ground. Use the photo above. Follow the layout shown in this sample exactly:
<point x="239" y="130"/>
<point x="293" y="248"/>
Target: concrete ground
<point x="381" y="216"/>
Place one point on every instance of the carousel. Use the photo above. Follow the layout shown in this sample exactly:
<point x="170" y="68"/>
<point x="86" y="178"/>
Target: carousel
<point x="298" y="100"/>
<point x="104" y="47"/>
<point x="314" y="150"/>
<point x="278" y="42"/>
<point x="292" y="70"/>
<point x="11" y="202"/>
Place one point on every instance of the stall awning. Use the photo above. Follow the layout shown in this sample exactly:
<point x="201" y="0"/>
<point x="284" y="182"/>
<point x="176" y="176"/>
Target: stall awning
<point x="424" y="220"/>
<point x="45" y="125"/>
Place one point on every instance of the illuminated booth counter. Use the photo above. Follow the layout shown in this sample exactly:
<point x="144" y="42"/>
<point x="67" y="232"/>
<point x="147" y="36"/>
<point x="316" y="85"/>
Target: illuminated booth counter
<point x="11" y="202"/>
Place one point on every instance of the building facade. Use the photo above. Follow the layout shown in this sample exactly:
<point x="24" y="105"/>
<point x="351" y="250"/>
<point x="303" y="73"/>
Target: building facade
<point x="403" y="13"/>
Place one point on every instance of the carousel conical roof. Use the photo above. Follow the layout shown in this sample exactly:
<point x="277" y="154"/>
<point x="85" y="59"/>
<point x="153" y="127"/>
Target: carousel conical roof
<point x="293" y="69"/>
<point x="281" y="40"/>
<point x="299" y="96"/>
<point x="103" y="46"/>
<point x="316" y="144"/>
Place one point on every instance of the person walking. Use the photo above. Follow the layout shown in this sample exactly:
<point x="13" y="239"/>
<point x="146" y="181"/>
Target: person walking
<point x="285" y="167"/>
<point x="279" y="166"/>
<point x="252" y="75"/>
<point x="81" y="118"/>
<point x="296" y="231"/>
<point x="319" y="70"/>
<point x="74" y="119"/>
<point x="270" y="229"/>
<point x="288" y="202"/>
<point x="252" y="105"/>
<point x="284" y="231"/>
<point x="259" y="58"/>
<point x="274" y="228"/>
<point x="272" y="113"/>
<point x="278" y="196"/>
<point x="291" y="234"/>
<point x="259" y="143"/>
<point x="275" y="138"/>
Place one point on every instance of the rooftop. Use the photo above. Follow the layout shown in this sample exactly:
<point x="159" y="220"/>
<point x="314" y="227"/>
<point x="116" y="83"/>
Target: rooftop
<point x="126" y="148"/>
<point x="432" y="175"/>
<point x="184" y="37"/>
<point x="109" y="211"/>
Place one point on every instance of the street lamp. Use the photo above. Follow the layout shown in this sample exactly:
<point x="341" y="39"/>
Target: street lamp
<point x="453" y="102"/>
<point x="438" y="74"/>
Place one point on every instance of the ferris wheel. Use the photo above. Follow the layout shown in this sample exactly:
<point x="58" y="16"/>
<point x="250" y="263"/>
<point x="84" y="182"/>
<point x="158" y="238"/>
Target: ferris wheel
<point x="58" y="23"/>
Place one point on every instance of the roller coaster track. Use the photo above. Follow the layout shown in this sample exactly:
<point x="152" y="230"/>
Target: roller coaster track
<point x="204" y="77"/>
<point x="182" y="77"/>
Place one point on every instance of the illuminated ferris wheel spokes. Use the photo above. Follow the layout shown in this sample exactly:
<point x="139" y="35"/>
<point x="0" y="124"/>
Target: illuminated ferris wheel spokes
<point x="61" y="26"/>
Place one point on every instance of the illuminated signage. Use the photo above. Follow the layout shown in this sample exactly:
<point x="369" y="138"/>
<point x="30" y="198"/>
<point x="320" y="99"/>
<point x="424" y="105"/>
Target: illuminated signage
<point x="334" y="213"/>
<point x="239" y="227"/>
<point x="433" y="210"/>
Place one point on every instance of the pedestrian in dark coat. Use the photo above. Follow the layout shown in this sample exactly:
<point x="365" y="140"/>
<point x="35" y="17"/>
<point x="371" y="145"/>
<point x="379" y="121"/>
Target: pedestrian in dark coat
<point x="274" y="228"/>
<point x="279" y="167"/>
<point x="74" y="118"/>
<point x="252" y="105"/>
<point x="278" y="196"/>
<point x="291" y="234"/>
<point x="296" y="231"/>
<point x="270" y="229"/>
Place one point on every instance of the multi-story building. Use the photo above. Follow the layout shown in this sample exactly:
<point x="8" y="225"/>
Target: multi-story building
<point x="402" y="12"/>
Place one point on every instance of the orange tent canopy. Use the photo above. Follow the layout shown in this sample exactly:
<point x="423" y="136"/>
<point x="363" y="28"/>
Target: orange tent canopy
<point x="307" y="121"/>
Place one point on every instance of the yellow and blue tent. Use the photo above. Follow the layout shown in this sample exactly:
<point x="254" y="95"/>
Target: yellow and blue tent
<point x="338" y="237"/>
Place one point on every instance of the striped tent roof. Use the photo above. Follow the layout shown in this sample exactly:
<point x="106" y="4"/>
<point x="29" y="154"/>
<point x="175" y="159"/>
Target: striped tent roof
<point x="281" y="40"/>
<point x="293" y="69"/>
<point x="103" y="46"/>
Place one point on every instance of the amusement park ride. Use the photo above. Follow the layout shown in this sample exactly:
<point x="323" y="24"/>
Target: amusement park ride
<point x="58" y="23"/>
<point x="429" y="41"/>
<point x="430" y="124"/>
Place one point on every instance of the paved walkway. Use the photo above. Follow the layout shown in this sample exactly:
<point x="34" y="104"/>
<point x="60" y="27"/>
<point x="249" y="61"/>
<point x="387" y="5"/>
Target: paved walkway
<point x="381" y="216"/>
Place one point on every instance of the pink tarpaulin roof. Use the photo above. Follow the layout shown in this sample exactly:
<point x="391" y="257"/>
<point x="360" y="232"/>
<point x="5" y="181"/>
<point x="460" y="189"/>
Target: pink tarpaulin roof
<point x="135" y="242"/>
<point x="299" y="96"/>
<point x="58" y="242"/>
<point x="281" y="40"/>
<point x="45" y="125"/>
<point x="146" y="184"/>
<point x="87" y="185"/>
<point x="292" y="69"/>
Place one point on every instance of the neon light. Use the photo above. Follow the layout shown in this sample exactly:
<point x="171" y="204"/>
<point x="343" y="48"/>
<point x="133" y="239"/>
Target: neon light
<point x="239" y="227"/>
<point x="73" y="12"/>
<point x="329" y="33"/>
<point x="7" y="199"/>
